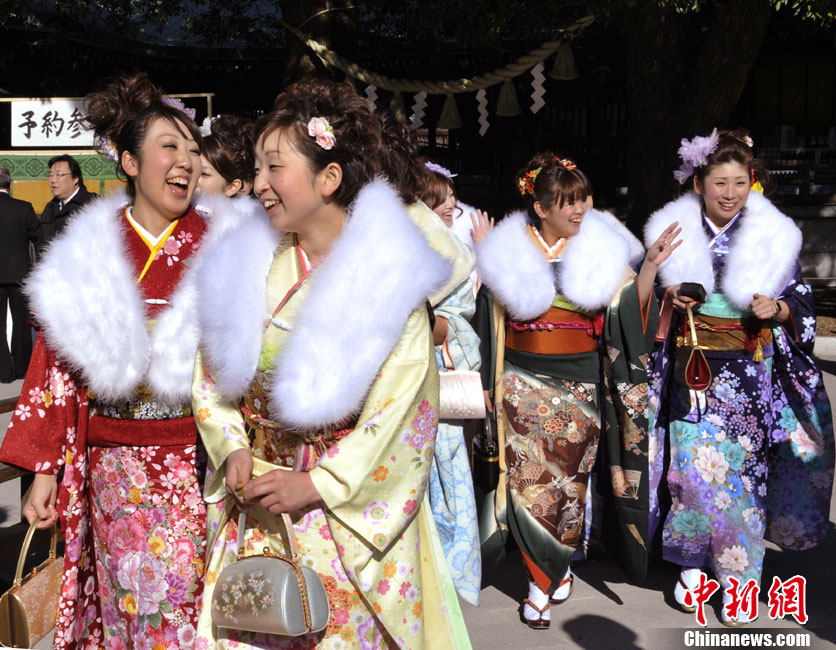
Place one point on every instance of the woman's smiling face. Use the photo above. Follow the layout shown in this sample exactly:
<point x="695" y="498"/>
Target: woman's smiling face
<point x="167" y="169"/>
<point x="284" y="183"/>
<point x="724" y="191"/>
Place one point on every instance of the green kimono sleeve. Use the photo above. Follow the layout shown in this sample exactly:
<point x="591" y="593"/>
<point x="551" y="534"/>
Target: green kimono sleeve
<point x="627" y="340"/>
<point x="373" y="480"/>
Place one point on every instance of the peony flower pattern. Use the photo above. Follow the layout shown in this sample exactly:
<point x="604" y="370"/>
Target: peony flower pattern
<point x="751" y="459"/>
<point x="149" y="536"/>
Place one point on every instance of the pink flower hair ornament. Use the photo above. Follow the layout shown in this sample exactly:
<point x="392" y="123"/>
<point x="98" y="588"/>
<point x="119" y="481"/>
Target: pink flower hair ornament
<point x="320" y="129"/>
<point x="694" y="153"/>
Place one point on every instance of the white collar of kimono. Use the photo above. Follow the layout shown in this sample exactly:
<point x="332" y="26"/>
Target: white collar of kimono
<point x="152" y="240"/>
<point x="550" y="251"/>
<point x="93" y="315"/>
<point x="762" y="252"/>
<point x="593" y="265"/>
<point x="378" y="272"/>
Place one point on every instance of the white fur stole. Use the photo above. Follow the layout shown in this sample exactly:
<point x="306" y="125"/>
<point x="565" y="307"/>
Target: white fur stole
<point x="762" y="252"/>
<point x="379" y="271"/>
<point x="85" y="296"/>
<point x="591" y="270"/>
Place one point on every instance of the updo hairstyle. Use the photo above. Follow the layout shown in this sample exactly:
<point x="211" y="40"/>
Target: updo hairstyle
<point x="123" y="110"/>
<point x="733" y="146"/>
<point x="229" y="148"/>
<point x="401" y="161"/>
<point x="357" y="132"/>
<point x="558" y="182"/>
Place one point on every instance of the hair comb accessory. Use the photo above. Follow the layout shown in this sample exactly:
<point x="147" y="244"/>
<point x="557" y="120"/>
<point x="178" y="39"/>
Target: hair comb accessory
<point x="694" y="153"/>
<point x="526" y="183"/>
<point x="567" y="164"/>
<point x="105" y="146"/>
<point x="180" y="106"/>
<point x="321" y="130"/>
<point x="438" y="169"/>
<point x="748" y="140"/>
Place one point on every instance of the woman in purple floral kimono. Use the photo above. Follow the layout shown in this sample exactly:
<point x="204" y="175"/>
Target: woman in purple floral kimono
<point x="751" y="457"/>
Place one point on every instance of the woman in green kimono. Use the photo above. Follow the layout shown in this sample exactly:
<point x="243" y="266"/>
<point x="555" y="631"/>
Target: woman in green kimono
<point x="317" y="391"/>
<point x="569" y="327"/>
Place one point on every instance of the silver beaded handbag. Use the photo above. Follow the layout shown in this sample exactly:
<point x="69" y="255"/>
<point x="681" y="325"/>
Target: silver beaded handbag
<point x="269" y="593"/>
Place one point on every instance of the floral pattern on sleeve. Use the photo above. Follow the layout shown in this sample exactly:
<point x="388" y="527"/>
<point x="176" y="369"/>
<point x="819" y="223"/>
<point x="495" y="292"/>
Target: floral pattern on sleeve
<point x="46" y="413"/>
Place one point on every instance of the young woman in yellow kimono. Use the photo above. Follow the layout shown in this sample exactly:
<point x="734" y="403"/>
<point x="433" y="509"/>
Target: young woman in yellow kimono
<point x="316" y="391"/>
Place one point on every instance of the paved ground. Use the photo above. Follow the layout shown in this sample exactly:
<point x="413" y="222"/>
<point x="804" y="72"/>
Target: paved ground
<point x="605" y="612"/>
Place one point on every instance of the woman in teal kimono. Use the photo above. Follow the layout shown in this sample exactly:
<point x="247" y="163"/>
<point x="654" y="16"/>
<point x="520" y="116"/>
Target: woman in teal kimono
<point x="566" y="333"/>
<point x="751" y="457"/>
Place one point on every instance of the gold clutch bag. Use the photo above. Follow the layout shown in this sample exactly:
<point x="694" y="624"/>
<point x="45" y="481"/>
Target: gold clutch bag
<point x="29" y="609"/>
<point x="269" y="593"/>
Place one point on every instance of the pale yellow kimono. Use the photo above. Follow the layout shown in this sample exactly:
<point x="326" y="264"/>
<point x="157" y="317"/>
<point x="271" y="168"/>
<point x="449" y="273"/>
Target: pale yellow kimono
<point x="372" y="540"/>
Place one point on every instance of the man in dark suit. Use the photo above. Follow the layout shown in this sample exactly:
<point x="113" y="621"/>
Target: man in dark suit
<point x="18" y="227"/>
<point x="67" y="186"/>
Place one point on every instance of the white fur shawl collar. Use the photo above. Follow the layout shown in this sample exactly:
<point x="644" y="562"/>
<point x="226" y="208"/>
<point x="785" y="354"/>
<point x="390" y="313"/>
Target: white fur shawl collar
<point x="762" y="252"/>
<point x="590" y="273"/>
<point x="85" y="296"/>
<point x="380" y="269"/>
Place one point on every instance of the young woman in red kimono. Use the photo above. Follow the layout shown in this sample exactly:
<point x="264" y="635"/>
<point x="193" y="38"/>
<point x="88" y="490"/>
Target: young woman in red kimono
<point x="104" y="417"/>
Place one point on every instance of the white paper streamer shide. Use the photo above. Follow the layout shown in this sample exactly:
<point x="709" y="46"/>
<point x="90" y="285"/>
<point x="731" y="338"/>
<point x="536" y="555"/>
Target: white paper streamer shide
<point x="537" y="84"/>
<point x="371" y="94"/>
<point x="482" y="101"/>
<point x="419" y="107"/>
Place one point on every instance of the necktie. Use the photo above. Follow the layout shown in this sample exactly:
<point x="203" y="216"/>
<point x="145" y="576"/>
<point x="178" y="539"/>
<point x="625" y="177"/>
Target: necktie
<point x="60" y="206"/>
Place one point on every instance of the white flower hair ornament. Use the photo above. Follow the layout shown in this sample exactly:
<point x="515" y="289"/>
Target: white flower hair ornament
<point x="435" y="167"/>
<point x="322" y="132"/>
<point x="206" y="126"/>
<point x="694" y="153"/>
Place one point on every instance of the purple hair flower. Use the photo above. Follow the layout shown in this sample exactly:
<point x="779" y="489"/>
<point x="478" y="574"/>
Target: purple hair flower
<point x="438" y="169"/>
<point x="180" y="106"/>
<point x="694" y="153"/>
<point x="105" y="146"/>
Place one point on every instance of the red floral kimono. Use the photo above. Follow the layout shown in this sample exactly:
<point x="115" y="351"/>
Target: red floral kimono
<point x="106" y="401"/>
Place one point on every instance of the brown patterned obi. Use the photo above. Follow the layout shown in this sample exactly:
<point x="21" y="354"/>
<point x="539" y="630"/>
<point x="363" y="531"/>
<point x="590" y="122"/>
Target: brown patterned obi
<point x="283" y="446"/>
<point x="728" y="334"/>
<point x="558" y="331"/>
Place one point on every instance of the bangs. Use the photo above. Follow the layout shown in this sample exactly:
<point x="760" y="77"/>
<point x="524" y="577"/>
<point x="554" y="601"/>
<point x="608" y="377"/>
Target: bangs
<point x="571" y="186"/>
<point x="436" y="191"/>
<point x="185" y="126"/>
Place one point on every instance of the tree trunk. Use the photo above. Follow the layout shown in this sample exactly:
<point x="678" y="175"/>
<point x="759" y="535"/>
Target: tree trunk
<point x="684" y="76"/>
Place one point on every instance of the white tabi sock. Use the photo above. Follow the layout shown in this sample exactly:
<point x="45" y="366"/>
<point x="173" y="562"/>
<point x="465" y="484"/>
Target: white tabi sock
<point x="539" y="598"/>
<point x="691" y="577"/>
<point x="562" y="593"/>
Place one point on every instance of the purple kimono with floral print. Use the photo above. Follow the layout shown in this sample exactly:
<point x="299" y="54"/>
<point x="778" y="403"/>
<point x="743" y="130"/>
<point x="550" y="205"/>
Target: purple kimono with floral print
<point x="751" y="458"/>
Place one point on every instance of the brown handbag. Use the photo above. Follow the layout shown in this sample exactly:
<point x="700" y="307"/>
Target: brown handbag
<point x="29" y="609"/>
<point x="697" y="374"/>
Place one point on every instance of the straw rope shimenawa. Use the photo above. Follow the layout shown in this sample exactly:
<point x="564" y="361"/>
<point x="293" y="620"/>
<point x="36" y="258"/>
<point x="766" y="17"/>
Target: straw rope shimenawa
<point x="521" y="65"/>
